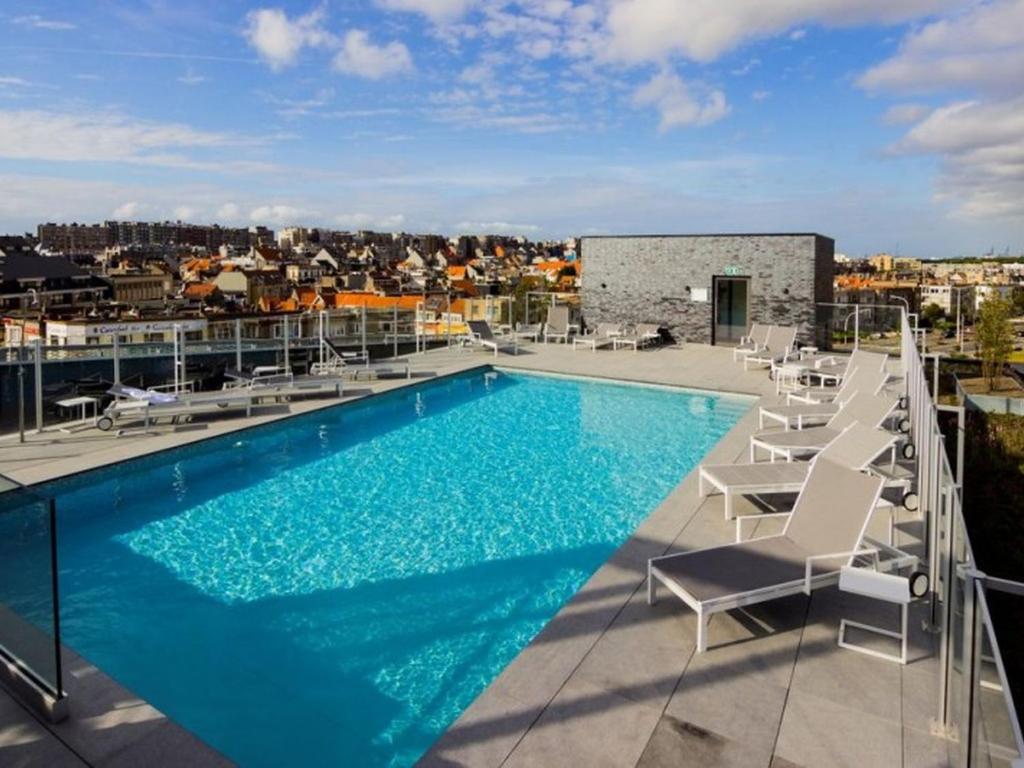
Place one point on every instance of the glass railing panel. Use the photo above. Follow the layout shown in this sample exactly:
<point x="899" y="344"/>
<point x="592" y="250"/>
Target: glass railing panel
<point x="29" y="627"/>
<point x="995" y="729"/>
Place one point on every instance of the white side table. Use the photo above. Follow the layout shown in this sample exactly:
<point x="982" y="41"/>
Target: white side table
<point x="83" y="402"/>
<point x="887" y="587"/>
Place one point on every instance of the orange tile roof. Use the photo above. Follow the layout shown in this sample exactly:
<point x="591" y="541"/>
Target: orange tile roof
<point x="374" y="301"/>
<point x="456" y="273"/>
<point x="199" y="290"/>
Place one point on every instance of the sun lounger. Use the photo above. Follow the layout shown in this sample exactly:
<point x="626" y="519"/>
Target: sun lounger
<point x="753" y="342"/>
<point x="356" y="364"/>
<point x="557" y="325"/>
<point x="862" y="407"/>
<point x="602" y="336"/>
<point x="856" y="447"/>
<point x="480" y="333"/>
<point x="830" y="369"/>
<point x="642" y="335"/>
<point x="824" y="532"/>
<point x="781" y="345"/>
<point x="132" y="403"/>
<point x="809" y="412"/>
<point x="531" y="332"/>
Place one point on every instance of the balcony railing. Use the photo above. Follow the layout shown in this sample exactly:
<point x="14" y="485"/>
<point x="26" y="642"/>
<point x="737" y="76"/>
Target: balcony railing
<point x="30" y="649"/>
<point x="976" y="711"/>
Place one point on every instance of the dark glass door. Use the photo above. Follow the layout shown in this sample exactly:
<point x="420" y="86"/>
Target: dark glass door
<point x="732" y="305"/>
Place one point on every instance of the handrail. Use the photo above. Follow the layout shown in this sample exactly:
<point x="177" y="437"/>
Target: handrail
<point x="42" y="690"/>
<point x="940" y="491"/>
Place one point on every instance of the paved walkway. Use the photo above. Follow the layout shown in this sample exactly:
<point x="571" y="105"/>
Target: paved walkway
<point x="610" y="680"/>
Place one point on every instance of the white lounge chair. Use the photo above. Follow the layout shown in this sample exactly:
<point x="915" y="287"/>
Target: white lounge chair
<point x="480" y="334"/>
<point x="801" y="414"/>
<point x="755" y="341"/>
<point x="557" y="328"/>
<point x="780" y="347"/>
<point x="856" y="447"/>
<point x="862" y="407"/>
<point x="830" y="369"/>
<point x="824" y="532"/>
<point x="132" y="403"/>
<point x="642" y="335"/>
<point x="528" y="332"/>
<point x="602" y="336"/>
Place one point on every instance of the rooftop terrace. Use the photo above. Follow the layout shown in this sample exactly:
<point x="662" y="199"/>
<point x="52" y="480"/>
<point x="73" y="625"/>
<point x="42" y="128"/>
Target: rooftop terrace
<point x="609" y="680"/>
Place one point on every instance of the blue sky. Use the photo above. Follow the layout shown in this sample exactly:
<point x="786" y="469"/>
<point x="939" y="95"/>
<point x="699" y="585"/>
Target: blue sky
<point x="889" y="125"/>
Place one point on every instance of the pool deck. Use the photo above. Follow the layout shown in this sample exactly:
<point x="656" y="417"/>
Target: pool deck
<point x="610" y="680"/>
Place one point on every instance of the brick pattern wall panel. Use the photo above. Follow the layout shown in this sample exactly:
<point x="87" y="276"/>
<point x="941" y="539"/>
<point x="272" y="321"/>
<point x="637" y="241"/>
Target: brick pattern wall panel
<point x="645" y="279"/>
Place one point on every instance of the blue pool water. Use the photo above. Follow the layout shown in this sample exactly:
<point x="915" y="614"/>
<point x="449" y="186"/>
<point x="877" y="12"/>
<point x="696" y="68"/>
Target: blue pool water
<point x="337" y="588"/>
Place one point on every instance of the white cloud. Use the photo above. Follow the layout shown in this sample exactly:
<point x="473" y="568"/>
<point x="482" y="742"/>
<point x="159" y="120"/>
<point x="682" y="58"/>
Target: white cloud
<point x="127" y="211"/>
<point x="798" y="34"/>
<point x="901" y="114"/>
<point x="979" y="140"/>
<point x="760" y="95"/>
<point x="229" y="212"/>
<point x="35" y="21"/>
<point x="438" y="11"/>
<point x="494" y="228"/>
<point x="280" y="215"/>
<point x="702" y="30"/>
<point x="747" y="68"/>
<point x="360" y="56"/>
<point x="279" y="40"/>
<point x="982" y="48"/>
<point x="192" y="78"/>
<point x="184" y="213"/>
<point x="13" y="82"/>
<point x="982" y="146"/>
<point x="673" y="99"/>
<point x="385" y="222"/>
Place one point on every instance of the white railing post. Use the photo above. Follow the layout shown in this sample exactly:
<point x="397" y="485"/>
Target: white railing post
<point x="117" y="358"/>
<point x="177" y="373"/>
<point x="394" y="330"/>
<point x="856" y="327"/>
<point x="238" y="343"/>
<point x="37" y="354"/>
<point x="284" y="324"/>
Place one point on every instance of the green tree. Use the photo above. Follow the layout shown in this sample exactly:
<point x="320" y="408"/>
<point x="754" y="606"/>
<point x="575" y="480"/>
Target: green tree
<point x="931" y="314"/>
<point x="995" y="336"/>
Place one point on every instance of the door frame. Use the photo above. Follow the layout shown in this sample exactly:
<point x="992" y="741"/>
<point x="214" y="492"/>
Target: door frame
<point x="715" y="280"/>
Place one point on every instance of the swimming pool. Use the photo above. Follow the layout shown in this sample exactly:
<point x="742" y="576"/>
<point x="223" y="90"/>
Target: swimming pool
<point x="336" y="588"/>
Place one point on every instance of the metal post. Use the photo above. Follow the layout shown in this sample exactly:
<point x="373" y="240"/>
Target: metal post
<point x="959" y="343"/>
<point x="184" y="367"/>
<point x="363" y="331"/>
<point x="21" y="398"/>
<point x="37" y="352"/>
<point x="856" y="327"/>
<point x="448" y="319"/>
<point x="320" y="330"/>
<point x="526" y="319"/>
<point x="176" y="379"/>
<point x="238" y="343"/>
<point x="117" y="358"/>
<point x="394" y="329"/>
<point x="935" y="378"/>
<point x="284" y="321"/>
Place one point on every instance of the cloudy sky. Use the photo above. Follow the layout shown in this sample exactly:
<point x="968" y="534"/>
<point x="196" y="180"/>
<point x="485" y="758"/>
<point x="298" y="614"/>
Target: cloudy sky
<point x="888" y="124"/>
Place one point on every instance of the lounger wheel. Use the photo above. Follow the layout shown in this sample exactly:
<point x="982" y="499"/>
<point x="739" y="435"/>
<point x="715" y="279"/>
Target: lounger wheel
<point x="903" y="402"/>
<point x="104" y="423"/>
<point x="904" y="426"/>
<point x="911" y="501"/>
<point x="909" y="451"/>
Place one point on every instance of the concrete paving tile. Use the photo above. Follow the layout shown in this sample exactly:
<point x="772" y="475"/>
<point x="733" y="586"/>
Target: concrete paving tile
<point x="25" y="743"/>
<point x="820" y="732"/>
<point x="587" y="725"/>
<point x="676" y="743"/>
<point x="484" y="735"/>
<point x="923" y="750"/>
<point x="168" y="745"/>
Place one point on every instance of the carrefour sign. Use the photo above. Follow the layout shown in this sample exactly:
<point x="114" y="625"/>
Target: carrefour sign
<point x="152" y="326"/>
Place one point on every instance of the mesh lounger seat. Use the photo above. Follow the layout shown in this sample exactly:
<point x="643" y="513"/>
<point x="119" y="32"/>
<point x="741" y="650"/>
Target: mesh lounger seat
<point x="602" y="336"/>
<point x="862" y="407"/>
<point x="642" y="335"/>
<point x="824" y="532"/>
<point x="753" y="342"/>
<point x="830" y="369"/>
<point x="856" y="447"/>
<point x="529" y="332"/>
<point x="800" y="414"/>
<point x="557" y="325"/>
<point x="481" y="333"/>
<point x="780" y="345"/>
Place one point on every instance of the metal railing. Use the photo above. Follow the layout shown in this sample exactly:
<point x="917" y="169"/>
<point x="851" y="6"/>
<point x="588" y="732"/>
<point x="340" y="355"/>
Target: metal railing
<point x="976" y="710"/>
<point x="30" y="645"/>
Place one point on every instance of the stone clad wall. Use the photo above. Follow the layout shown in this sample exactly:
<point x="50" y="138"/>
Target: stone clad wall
<point x="644" y="279"/>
